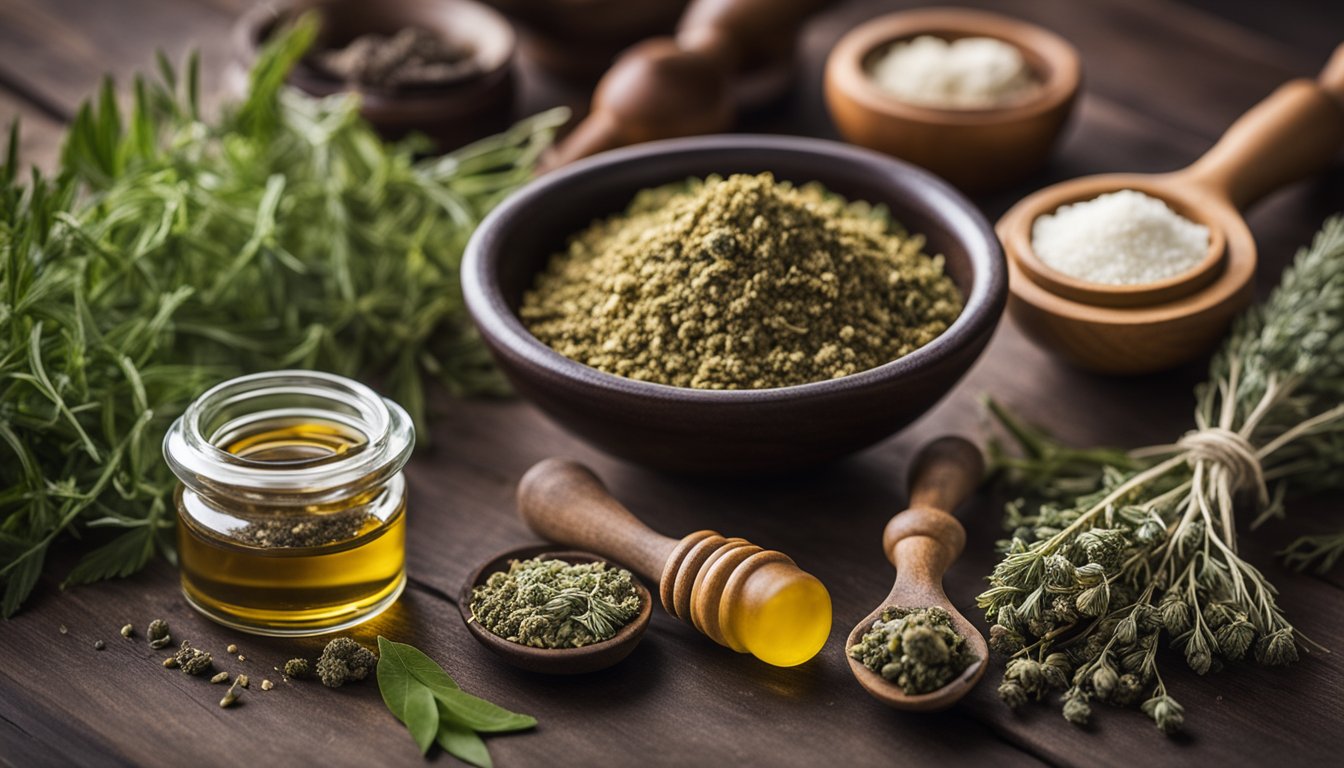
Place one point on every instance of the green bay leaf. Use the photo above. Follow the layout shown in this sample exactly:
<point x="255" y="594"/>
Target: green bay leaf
<point x="480" y="715"/>
<point x="463" y="743"/>
<point x="409" y="700"/>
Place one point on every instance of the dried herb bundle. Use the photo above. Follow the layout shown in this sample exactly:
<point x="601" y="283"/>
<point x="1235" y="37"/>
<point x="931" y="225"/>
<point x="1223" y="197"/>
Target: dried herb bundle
<point x="1111" y="551"/>
<point x="171" y="252"/>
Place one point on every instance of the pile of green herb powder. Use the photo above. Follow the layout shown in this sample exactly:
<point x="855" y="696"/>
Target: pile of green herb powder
<point x="915" y="648"/>
<point x="553" y="604"/>
<point x="741" y="283"/>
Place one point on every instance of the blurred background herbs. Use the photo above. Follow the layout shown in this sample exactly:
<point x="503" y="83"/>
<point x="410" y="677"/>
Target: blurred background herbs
<point x="170" y="252"/>
<point x="1111" y="551"/>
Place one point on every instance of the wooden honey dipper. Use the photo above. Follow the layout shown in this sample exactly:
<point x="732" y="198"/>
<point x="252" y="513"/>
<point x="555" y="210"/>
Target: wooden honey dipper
<point x="744" y="597"/>
<point x="666" y="87"/>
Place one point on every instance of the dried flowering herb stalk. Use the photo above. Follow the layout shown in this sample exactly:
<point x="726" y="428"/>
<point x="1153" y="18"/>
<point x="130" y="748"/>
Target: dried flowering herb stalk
<point x="1112" y="552"/>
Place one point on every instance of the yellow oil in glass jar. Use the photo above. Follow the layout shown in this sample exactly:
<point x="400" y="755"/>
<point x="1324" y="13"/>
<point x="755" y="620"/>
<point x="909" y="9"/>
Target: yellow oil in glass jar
<point x="292" y="506"/>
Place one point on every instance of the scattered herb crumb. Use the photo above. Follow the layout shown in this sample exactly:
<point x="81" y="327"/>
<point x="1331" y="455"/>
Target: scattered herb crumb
<point x="222" y="677"/>
<point x="193" y="661"/>
<point x="243" y="681"/>
<point x="918" y="649"/>
<point x="344" y="661"/>
<point x="170" y="662"/>
<point x="99" y="645"/>
<point x="158" y="634"/>
<point x="298" y="668"/>
<point x="267" y="685"/>
<point x="127" y="630"/>
<point x="232" y="695"/>
<point x="232" y="648"/>
<point x="241" y="657"/>
<point x="64" y="630"/>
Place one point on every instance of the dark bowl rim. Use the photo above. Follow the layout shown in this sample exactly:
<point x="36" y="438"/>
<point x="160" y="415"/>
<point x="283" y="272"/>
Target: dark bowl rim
<point x="501" y="326"/>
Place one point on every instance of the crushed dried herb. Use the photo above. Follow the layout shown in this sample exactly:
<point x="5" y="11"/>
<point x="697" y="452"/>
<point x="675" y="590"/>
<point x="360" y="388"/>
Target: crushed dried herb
<point x="344" y="661"/>
<point x="298" y="668"/>
<point x="916" y="648"/>
<point x="741" y="283"/>
<point x="303" y="530"/>
<point x="192" y="661"/>
<point x="413" y="57"/>
<point x="553" y="604"/>
<point x="158" y="634"/>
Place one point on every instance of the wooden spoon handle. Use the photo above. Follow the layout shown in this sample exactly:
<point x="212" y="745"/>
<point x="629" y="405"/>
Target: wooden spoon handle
<point x="924" y="540"/>
<point x="1288" y="136"/>
<point x="564" y="502"/>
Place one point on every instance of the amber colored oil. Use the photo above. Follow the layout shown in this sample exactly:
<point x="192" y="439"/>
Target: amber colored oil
<point x="294" y="590"/>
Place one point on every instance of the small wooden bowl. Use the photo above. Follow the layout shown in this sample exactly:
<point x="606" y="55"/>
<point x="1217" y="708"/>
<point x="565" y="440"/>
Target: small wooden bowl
<point x="554" y="661"/>
<point x="450" y="114"/>
<point x="975" y="149"/>
<point x="1120" y="329"/>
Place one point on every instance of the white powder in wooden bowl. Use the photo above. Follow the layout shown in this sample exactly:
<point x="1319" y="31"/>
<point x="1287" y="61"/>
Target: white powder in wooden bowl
<point x="1120" y="238"/>
<point x="969" y="73"/>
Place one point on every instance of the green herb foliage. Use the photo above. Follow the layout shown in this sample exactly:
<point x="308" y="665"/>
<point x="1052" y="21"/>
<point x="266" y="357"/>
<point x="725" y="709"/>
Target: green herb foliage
<point x="1111" y="552"/>
<point x="171" y="252"/>
<point x="435" y="710"/>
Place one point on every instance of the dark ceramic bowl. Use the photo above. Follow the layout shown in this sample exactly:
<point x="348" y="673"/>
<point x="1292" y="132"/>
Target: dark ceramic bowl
<point x="725" y="431"/>
<point x="451" y="114"/>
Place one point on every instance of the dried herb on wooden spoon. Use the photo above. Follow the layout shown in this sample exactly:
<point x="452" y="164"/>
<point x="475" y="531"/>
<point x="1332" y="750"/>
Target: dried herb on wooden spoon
<point x="171" y="252"/>
<point x="1110" y="552"/>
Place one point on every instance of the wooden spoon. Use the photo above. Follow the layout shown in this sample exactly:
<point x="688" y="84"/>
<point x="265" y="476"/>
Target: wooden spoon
<point x="922" y="542"/>
<point x="741" y="596"/>
<point x="1293" y="133"/>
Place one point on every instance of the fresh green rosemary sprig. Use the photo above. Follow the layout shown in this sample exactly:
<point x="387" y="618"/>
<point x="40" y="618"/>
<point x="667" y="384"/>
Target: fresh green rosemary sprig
<point x="171" y="251"/>
<point x="1109" y="552"/>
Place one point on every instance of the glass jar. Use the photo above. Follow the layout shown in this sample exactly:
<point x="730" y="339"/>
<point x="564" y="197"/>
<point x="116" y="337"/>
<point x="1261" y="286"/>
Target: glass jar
<point x="291" y="512"/>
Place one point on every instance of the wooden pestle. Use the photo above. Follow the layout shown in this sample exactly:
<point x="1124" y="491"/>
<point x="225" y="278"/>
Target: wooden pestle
<point x="744" y="597"/>
<point x="667" y="87"/>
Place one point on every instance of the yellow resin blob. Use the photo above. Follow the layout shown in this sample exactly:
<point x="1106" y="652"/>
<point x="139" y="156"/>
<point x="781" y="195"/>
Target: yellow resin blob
<point x="783" y="622"/>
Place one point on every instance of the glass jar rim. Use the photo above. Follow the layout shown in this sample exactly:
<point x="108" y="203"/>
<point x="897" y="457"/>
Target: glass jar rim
<point x="192" y="448"/>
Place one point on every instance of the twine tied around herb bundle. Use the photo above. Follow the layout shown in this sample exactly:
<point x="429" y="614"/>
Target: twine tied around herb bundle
<point x="1229" y="452"/>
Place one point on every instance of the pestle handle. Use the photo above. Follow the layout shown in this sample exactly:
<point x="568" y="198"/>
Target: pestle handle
<point x="924" y="540"/>
<point x="665" y="88"/>
<point x="564" y="502"/>
<point x="1288" y="136"/>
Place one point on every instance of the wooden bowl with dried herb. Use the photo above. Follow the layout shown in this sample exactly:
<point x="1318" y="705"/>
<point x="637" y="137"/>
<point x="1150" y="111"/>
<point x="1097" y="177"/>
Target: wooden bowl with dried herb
<point x="559" y="612"/>
<point x="729" y="304"/>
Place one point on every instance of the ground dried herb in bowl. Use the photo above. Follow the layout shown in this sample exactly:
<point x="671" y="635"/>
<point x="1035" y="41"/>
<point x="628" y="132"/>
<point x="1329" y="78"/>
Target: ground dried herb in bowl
<point x="547" y="603"/>
<point x="742" y="282"/>
<point x="915" y="648"/>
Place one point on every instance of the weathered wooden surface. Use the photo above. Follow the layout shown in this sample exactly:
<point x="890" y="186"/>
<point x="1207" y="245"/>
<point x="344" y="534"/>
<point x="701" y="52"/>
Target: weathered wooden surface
<point x="1163" y="79"/>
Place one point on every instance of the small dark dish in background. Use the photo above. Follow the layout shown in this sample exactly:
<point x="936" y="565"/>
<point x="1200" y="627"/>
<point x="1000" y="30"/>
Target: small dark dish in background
<point x="727" y="431"/>
<point x="475" y="103"/>
<point x="555" y="661"/>
<point x="975" y="149"/>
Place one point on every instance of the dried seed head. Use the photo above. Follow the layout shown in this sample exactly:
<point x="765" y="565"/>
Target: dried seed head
<point x="222" y="677"/>
<point x="1167" y="714"/>
<point x="127" y="630"/>
<point x="298" y="668"/>
<point x="1276" y="648"/>
<point x="1076" y="708"/>
<point x="1104" y="681"/>
<point x="158" y="634"/>
<point x="1013" y="694"/>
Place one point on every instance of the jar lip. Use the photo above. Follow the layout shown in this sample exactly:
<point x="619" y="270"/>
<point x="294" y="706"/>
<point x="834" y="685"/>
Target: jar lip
<point x="193" y="454"/>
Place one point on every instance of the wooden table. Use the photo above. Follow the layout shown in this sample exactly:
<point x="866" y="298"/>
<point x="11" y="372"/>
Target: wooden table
<point x="1163" y="79"/>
